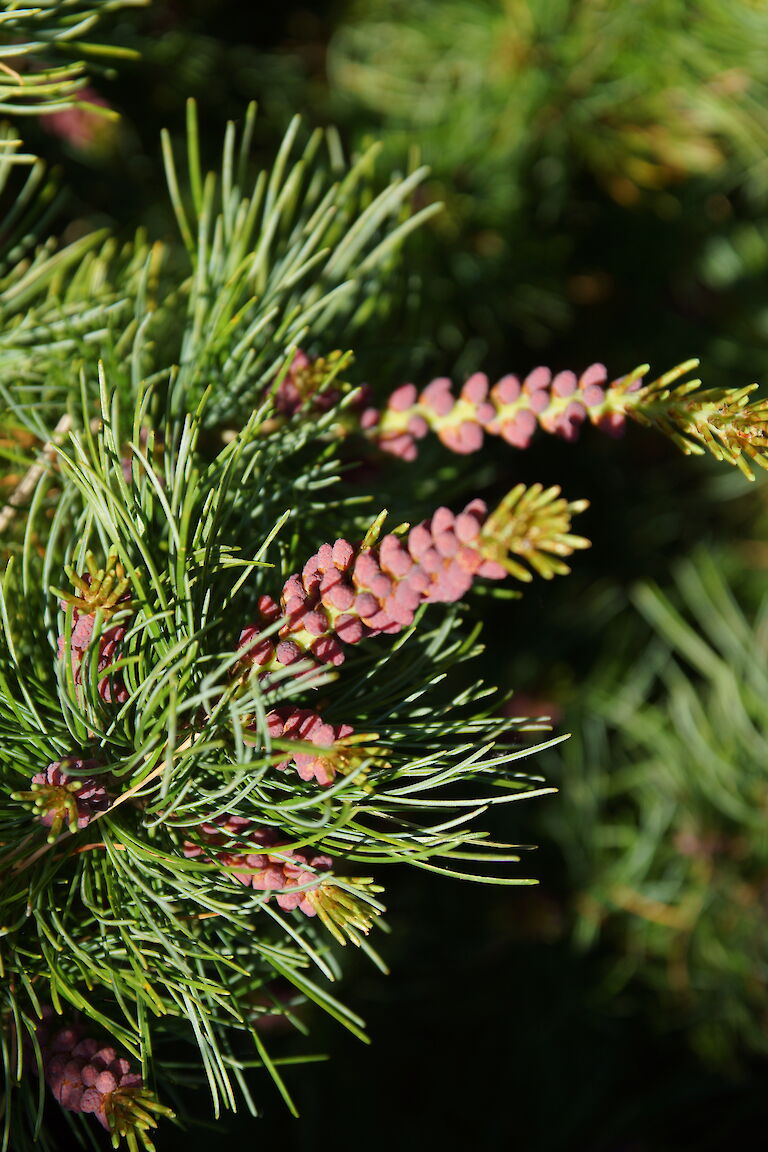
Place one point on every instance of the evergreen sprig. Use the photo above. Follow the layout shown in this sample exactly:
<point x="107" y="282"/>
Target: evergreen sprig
<point x="163" y="864"/>
<point x="203" y="768"/>
<point x="42" y="46"/>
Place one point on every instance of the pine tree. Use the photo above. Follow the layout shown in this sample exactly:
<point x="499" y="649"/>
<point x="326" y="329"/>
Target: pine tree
<point x="192" y="783"/>
<point x="230" y="691"/>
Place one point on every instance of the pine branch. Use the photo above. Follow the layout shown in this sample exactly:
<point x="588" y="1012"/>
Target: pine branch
<point x="266" y="269"/>
<point x="128" y="694"/>
<point x="33" y="40"/>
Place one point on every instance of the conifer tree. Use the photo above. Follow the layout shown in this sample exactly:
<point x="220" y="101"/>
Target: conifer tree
<point x="231" y="689"/>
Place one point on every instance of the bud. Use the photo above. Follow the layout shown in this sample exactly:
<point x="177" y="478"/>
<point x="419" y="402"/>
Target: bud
<point x="298" y="879"/>
<point x="88" y="1075"/>
<point x="104" y="591"/>
<point x="512" y="409"/>
<point x="59" y="799"/>
<point x="302" y="387"/>
<point x="307" y="726"/>
<point x="344" y="595"/>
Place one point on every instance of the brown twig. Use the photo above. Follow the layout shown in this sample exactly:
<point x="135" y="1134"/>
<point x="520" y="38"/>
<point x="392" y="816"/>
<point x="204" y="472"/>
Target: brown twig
<point x="28" y="483"/>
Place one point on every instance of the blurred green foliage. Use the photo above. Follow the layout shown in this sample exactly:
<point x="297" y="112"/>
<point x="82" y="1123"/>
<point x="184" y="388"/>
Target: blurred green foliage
<point x="662" y="819"/>
<point x="560" y="134"/>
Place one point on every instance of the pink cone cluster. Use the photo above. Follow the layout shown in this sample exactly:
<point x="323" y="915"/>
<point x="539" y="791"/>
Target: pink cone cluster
<point x="308" y="726"/>
<point x="267" y="866"/>
<point x="86" y="1075"/>
<point x="511" y="408"/>
<point x="344" y="595"/>
<point x="112" y="689"/>
<point x="63" y="799"/>
<point x="83" y="129"/>
<point x="300" y="387"/>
